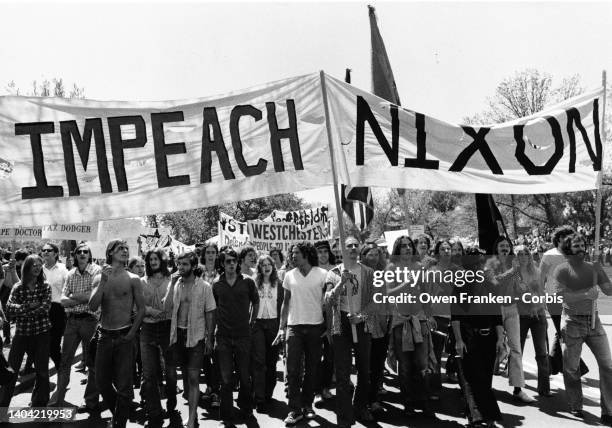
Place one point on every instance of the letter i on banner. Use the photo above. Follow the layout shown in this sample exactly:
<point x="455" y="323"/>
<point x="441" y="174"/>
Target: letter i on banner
<point x="598" y="198"/>
<point x="336" y="187"/>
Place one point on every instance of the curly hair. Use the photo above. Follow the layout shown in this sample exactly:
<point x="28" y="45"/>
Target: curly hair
<point x="308" y="252"/>
<point x="566" y="247"/>
<point x="163" y="262"/>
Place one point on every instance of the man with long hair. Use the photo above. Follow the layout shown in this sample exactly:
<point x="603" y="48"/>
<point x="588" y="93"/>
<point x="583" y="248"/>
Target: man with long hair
<point x="116" y="291"/>
<point x="191" y="304"/>
<point x="155" y="337"/>
<point x="579" y="282"/>
<point x="80" y="327"/>
<point x="301" y="326"/>
<point x="28" y="305"/>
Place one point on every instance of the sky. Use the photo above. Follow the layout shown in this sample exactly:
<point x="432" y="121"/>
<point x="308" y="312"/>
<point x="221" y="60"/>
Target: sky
<point x="447" y="57"/>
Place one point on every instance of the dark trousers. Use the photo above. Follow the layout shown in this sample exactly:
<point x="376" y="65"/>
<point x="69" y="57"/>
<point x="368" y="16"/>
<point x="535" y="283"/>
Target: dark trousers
<point x="538" y="327"/>
<point x="378" y="356"/>
<point x="229" y="350"/>
<point x="6" y="328"/>
<point x="57" y="315"/>
<point x="439" y="338"/>
<point x="212" y="374"/>
<point x="343" y="345"/>
<point x="114" y="359"/>
<point x="38" y="347"/>
<point x="326" y="367"/>
<point x="154" y="341"/>
<point x="478" y="364"/>
<point x="265" y="356"/>
<point x="303" y="356"/>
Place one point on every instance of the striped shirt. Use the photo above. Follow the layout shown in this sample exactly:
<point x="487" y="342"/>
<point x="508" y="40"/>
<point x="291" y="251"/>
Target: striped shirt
<point x="77" y="283"/>
<point x="30" y="322"/>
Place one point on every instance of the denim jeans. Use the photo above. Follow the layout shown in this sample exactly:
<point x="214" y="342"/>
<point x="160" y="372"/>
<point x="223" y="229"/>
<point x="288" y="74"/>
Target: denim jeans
<point x="78" y="330"/>
<point x="57" y="316"/>
<point x="229" y="350"/>
<point x="343" y="357"/>
<point x="37" y="346"/>
<point x="155" y="339"/>
<point x="326" y="367"/>
<point x="576" y="330"/>
<point x="114" y="359"/>
<point x="512" y="325"/>
<point x="412" y="367"/>
<point x="303" y="346"/>
<point x="265" y="356"/>
<point x="538" y="327"/>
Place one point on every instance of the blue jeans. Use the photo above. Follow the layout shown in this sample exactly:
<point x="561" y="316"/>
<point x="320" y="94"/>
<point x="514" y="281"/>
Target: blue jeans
<point x="576" y="330"/>
<point x="238" y="350"/>
<point x="154" y="340"/>
<point x="78" y="330"/>
<point x="303" y="345"/>
<point x="114" y="359"/>
<point x="412" y="367"/>
<point x="512" y="325"/>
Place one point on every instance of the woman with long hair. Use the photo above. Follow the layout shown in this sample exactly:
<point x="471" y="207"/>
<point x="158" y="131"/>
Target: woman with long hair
<point x="28" y="305"/>
<point x="265" y="355"/>
<point x="210" y="261"/>
<point x="410" y="326"/>
<point x="503" y="272"/>
<point x="533" y="316"/>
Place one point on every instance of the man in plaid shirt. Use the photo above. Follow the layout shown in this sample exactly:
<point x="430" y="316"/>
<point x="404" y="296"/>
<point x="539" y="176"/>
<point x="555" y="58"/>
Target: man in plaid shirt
<point x="28" y="305"/>
<point x="80" y="327"/>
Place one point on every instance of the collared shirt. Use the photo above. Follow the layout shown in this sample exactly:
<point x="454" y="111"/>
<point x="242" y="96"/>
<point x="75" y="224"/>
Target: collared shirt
<point x="154" y="289"/>
<point x="56" y="277"/>
<point x="202" y="301"/>
<point x="77" y="282"/>
<point x="30" y="322"/>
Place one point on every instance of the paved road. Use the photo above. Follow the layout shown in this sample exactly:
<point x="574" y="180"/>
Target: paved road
<point x="547" y="412"/>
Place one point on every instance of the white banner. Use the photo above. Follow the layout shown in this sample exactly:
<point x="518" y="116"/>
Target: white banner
<point x="74" y="161"/>
<point x="265" y="235"/>
<point x="21" y="233"/>
<point x="380" y="144"/>
<point x="232" y="232"/>
<point x="78" y="232"/>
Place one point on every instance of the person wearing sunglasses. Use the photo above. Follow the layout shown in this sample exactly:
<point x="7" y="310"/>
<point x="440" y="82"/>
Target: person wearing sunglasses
<point x="80" y="327"/>
<point x="55" y="274"/>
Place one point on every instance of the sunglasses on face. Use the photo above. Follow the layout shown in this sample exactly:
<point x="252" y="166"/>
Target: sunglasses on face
<point x="47" y="250"/>
<point x="82" y="252"/>
<point x="352" y="246"/>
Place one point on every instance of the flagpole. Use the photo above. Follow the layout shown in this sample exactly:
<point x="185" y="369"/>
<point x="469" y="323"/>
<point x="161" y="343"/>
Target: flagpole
<point x="336" y="193"/>
<point x="598" y="196"/>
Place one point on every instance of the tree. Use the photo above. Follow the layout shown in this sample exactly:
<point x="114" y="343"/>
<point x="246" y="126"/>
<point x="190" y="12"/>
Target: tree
<point x="54" y="87"/>
<point x="528" y="92"/>
<point x="200" y="224"/>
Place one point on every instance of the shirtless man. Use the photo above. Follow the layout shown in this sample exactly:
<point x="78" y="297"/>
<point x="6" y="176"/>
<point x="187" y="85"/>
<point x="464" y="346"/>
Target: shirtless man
<point x="116" y="291"/>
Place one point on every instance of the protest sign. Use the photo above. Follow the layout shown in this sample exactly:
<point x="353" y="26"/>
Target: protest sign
<point x="77" y="232"/>
<point x="266" y="235"/>
<point x="392" y="235"/>
<point x="19" y="233"/>
<point x="232" y="232"/>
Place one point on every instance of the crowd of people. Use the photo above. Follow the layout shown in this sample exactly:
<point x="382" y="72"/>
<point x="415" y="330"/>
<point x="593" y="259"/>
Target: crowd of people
<point x="231" y="314"/>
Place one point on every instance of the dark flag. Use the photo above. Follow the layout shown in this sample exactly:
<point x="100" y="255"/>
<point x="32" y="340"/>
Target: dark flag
<point x="490" y="222"/>
<point x="357" y="203"/>
<point x="383" y="82"/>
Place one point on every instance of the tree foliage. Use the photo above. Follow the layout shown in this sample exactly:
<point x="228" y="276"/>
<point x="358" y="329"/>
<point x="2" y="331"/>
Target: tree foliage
<point x="200" y="224"/>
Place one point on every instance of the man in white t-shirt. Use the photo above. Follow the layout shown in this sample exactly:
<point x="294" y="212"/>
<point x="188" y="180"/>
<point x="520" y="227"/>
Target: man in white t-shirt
<point x="302" y="326"/>
<point x="55" y="274"/>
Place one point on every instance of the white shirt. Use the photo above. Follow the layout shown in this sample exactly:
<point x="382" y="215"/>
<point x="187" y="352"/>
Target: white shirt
<point x="56" y="277"/>
<point x="306" y="304"/>
<point x="267" y="302"/>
